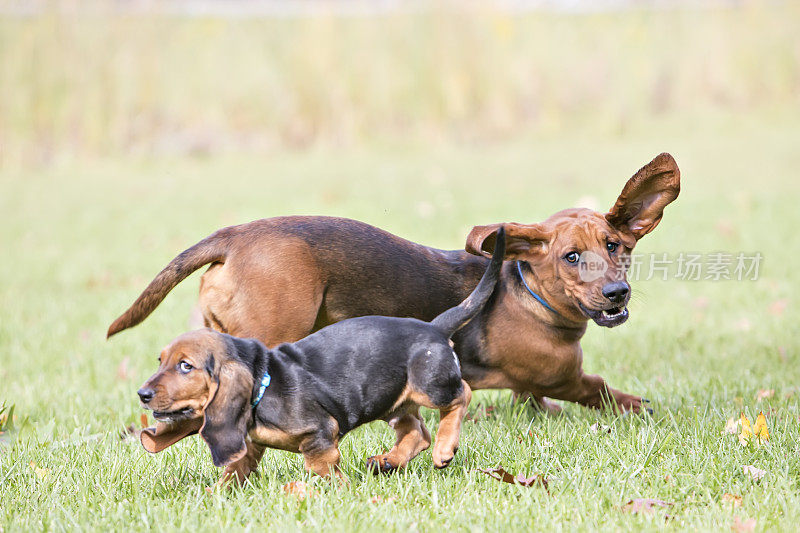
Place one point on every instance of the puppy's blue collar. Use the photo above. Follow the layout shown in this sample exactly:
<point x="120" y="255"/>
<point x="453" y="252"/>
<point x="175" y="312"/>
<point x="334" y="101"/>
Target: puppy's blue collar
<point x="536" y="296"/>
<point x="265" y="379"/>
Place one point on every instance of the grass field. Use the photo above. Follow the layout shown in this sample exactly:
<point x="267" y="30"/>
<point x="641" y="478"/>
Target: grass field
<point x="81" y="240"/>
<point x="126" y="137"/>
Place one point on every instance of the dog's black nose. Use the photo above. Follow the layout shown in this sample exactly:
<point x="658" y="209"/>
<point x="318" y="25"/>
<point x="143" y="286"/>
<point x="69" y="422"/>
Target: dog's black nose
<point x="616" y="291"/>
<point x="146" y="394"/>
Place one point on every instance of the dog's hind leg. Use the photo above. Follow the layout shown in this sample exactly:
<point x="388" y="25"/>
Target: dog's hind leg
<point x="449" y="432"/>
<point x="412" y="439"/>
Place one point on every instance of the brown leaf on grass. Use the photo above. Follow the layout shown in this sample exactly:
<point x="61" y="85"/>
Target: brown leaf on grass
<point x="756" y="474"/>
<point x="300" y="490"/>
<point x="644" y="505"/>
<point x="41" y="473"/>
<point x="123" y="374"/>
<point x="763" y="394"/>
<point x="501" y="475"/>
<point x="734" y="499"/>
<point x="731" y="426"/>
<point x="743" y="526"/>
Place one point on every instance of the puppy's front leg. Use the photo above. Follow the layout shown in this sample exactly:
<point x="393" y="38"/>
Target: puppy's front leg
<point x="239" y="471"/>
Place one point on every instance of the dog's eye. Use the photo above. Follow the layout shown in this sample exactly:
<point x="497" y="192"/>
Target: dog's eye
<point x="184" y="367"/>
<point x="572" y="257"/>
<point x="612" y="247"/>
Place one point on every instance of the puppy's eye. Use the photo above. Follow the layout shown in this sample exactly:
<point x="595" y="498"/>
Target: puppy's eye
<point x="612" y="247"/>
<point x="572" y="257"/>
<point x="184" y="367"/>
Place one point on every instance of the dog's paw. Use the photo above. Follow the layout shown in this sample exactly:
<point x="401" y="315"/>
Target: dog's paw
<point x="379" y="464"/>
<point x="442" y="459"/>
<point x="635" y="405"/>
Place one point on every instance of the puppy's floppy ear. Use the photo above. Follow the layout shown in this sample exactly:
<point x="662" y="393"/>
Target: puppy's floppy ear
<point x="522" y="240"/>
<point x="166" y="434"/>
<point x="641" y="204"/>
<point x="228" y="412"/>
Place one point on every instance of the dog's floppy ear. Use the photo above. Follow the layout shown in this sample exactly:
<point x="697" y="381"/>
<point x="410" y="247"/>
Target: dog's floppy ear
<point x="228" y="412"/>
<point x="641" y="204"/>
<point x="165" y="434"/>
<point x="522" y="240"/>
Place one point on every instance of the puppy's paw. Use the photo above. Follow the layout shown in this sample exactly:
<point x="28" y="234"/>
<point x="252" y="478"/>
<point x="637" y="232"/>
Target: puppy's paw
<point x="380" y="464"/>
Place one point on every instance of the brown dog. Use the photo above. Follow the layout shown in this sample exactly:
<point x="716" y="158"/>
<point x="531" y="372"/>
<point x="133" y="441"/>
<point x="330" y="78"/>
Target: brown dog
<point x="279" y="279"/>
<point x="306" y="396"/>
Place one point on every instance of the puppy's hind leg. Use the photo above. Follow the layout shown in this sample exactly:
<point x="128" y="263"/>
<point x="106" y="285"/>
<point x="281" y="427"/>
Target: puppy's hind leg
<point x="435" y="381"/>
<point x="449" y="432"/>
<point x="412" y="439"/>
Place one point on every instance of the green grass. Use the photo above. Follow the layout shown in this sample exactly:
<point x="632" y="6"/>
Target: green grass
<point x="80" y="240"/>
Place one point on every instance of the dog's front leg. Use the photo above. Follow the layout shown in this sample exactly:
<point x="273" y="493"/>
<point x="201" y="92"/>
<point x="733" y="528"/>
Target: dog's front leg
<point x="238" y="471"/>
<point x="593" y="391"/>
<point x="540" y="403"/>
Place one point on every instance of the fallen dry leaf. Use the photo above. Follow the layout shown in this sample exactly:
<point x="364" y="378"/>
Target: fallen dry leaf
<point x="299" y="489"/>
<point x="41" y="473"/>
<point x="644" y="505"/>
<point x="756" y="474"/>
<point x="763" y="394"/>
<point x="734" y="499"/>
<point x="759" y="434"/>
<point x="731" y="426"/>
<point x="501" y="475"/>
<point x="747" y="525"/>
<point x="599" y="428"/>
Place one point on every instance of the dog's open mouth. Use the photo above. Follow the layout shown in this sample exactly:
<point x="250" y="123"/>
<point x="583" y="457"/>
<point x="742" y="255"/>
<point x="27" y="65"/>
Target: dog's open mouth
<point x="607" y="317"/>
<point x="172" y="416"/>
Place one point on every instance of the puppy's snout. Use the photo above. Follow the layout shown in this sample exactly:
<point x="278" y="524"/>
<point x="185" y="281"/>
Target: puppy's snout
<point x="146" y="394"/>
<point x="616" y="291"/>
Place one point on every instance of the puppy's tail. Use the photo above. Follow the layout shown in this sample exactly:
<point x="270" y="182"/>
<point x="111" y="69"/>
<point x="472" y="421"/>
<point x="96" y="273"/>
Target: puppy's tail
<point x="210" y="250"/>
<point x="459" y="316"/>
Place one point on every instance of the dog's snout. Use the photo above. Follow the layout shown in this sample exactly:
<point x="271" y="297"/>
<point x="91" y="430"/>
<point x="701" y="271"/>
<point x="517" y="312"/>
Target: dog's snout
<point x="146" y="394"/>
<point x="616" y="291"/>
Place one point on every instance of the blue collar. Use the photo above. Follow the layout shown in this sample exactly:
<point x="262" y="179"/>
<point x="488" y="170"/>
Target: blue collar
<point x="536" y="296"/>
<point x="265" y="379"/>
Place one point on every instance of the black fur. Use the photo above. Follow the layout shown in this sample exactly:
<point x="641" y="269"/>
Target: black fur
<point x="354" y="371"/>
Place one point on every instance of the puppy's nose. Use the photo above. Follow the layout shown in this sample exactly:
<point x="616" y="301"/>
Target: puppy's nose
<point x="616" y="291"/>
<point x="146" y="394"/>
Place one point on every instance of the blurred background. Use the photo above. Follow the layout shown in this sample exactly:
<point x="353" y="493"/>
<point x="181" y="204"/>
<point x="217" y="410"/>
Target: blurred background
<point x="129" y="130"/>
<point x="88" y="79"/>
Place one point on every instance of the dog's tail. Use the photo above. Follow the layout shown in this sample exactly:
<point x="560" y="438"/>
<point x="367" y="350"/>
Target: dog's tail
<point x="459" y="316"/>
<point x="212" y="249"/>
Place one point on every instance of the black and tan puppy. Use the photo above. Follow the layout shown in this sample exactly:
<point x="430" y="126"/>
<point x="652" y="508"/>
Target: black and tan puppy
<point x="304" y="397"/>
